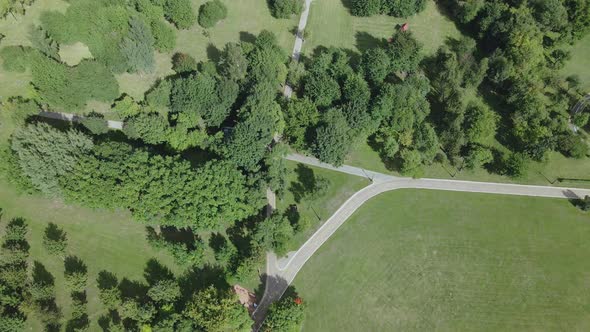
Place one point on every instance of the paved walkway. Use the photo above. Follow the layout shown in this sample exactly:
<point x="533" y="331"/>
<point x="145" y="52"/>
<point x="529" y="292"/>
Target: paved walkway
<point x="282" y="271"/>
<point x="77" y="118"/>
<point x="288" y="91"/>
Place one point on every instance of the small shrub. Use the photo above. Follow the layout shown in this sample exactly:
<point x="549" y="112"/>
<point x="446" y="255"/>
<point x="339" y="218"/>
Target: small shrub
<point x="212" y="12"/>
<point x="184" y="63"/>
<point x="180" y="12"/>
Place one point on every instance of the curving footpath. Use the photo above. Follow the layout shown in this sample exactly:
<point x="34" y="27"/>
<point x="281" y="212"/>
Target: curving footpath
<point x="281" y="271"/>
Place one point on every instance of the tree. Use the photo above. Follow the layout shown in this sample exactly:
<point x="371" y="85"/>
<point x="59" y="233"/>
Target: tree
<point x="516" y="165"/>
<point x="164" y="291"/>
<point x="411" y="162"/>
<point x="179" y="12"/>
<point x="480" y="124"/>
<point x="43" y="42"/>
<point x="285" y="8"/>
<point x="403" y="8"/>
<point x="233" y="62"/>
<point x="184" y="63"/>
<point x="164" y="36"/>
<point x="478" y="156"/>
<point x="216" y="311"/>
<point x="366" y="7"/>
<point x="301" y="116"/>
<point x="322" y="89"/>
<point x="274" y="233"/>
<point x="44" y="163"/>
<point x="137" y="47"/>
<point x="285" y="315"/>
<point x="586" y="203"/>
<point x="76" y="274"/>
<point x="55" y="240"/>
<point x="376" y="65"/>
<point x="212" y="12"/>
<point x="159" y="96"/>
<point x="332" y="141"/>
<point x="405" y="52"/>
<point x="108" y="290"/>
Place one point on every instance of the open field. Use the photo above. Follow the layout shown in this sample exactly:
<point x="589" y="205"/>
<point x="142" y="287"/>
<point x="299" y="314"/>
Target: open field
<point x="427" y="260"/>
<point x="317" y="210"/>
<point x="246" y="18"/>
<point x="357" y="33"/>
<point x="573" y="171"/>
<point x="580" y="62"/>
<point x="103" y="240"/>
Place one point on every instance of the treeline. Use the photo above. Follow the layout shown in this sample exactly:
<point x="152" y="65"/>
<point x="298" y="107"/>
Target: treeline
<point x="526" y="44"/>
<point x="397" y="8"/>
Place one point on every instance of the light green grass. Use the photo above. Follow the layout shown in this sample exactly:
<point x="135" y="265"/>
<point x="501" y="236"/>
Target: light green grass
<point x="331" y="24"/>
<point x="415" y="260"/>
<point x="580" y="62"/>
<point x="318" y="210"/>
<point x="73" y="54"/>
<point x="103" y="240"/>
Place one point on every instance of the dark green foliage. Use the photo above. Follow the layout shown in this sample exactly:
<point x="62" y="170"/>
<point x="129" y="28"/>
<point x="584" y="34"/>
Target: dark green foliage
<point x="285" y="315"/>
<point x="274" y="234"/>
<point x="376" y="64"/>
<point x="184" y="63"/>
<point x="96" y="124"/>
<point x="44" y="154"/>
<point x="585" y="206"/>
<point x="301" y="116"/>
<point x="109" y="292"/>
<point x="285" y="8"/>
<point x="214" y="310"/>
<point x="179" y="12"/>
<point x="516" y="165"/>
<point x="41" y="287"/>
<point x="126" y="106"/>
<point x="55" y="240"/>
<point x="233" y="62"/>
<point x="16" y="58"/>
<point x="405" y="52"/>
<point x="411" y="162"/>
<point x="151" y="128"/>
<point x="332" y="140"/>
<point x="403" y="8"/>
<point x="225" y="251"/>
<point x="76" y="274"/>
<point x="179" y="196"/>
<point x="164" y="291"/>
<point x="366" y="7"/>
<point x="164" y="36"/>
<point x="477" y="157"/>
<point x="212" y="12"/>
<point x="137" y="47"/>
<point x="574" y="146"/>
<point x="322" y="89"/>
<point x="480" y="124"/>
<point x="186" y="254"/>
<point x="43" y="42"/>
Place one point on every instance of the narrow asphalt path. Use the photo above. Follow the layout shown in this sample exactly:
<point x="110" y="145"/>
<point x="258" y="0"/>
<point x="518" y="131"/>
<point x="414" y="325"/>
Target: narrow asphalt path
<point x="77" y="118"/>
<point x="282" y="271"/>
<point x="298" y="41"/>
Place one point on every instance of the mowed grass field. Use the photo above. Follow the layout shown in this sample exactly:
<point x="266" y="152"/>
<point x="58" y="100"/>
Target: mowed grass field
<point x="415" y="260"/>
<point x="104" y="240"/>
<point x="245" y="20"/>
<point x="331" y="24"/>
<point x="316" y="210"/>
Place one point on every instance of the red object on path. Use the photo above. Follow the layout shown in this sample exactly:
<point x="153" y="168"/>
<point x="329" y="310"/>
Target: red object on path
<point x="405" y="27"/>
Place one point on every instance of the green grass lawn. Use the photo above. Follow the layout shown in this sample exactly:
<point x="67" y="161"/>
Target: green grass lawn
<point x="575" y="172"/>
<point x="415" y="260"/>
<point x="580" y="62"/>
<point x="317" y="210"/>
<point x="331" y="24"/>
<point x="245" y="20"/>
<point x="103" y="240"/>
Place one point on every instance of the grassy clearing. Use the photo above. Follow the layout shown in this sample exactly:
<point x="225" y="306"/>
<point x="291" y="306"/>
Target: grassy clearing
<point x="358" y="33"/>
<point x="103" y="240"/>
<point x="73" y="54"/>
<point x="580" y="62"/>
<point x="574" y="172"/>
<point x="318" y="210"/>
<point x="426" y="260"/>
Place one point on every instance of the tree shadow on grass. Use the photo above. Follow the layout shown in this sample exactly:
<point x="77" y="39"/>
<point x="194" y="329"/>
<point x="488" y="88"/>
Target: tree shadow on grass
<point x="213" y="53"/>
<point x="247" y="37"/>
<point x="366" y="41"/>
<point x="199" y="278"/>
<point x="155" y="271"/>
<point x="106" y="280"/>
<point x="41" y="275"/>
<point x="74" y="264"/>
<point x="306" y="182"/>
<point x="131" y="289"/>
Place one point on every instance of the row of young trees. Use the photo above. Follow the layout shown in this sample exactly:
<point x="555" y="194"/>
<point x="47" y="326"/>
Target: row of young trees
<point x="397" y="8"/>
